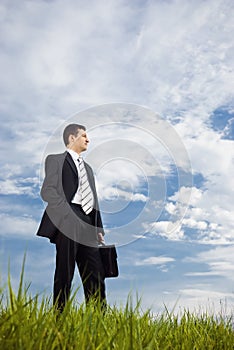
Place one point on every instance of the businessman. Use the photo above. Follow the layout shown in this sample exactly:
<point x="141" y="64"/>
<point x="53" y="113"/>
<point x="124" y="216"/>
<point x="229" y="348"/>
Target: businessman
<point x="72" y="218"/>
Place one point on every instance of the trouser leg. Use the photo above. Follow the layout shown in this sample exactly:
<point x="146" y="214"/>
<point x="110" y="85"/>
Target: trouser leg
<point x="64" y="271"/>
<point x="91" y="272"/>
<point x="88" y="258"/>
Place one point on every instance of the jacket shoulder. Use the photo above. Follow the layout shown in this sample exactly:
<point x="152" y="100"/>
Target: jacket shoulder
<point x="57" y="156"/>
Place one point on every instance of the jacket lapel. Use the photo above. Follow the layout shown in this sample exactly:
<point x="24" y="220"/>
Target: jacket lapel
<point x="71" y="162"/>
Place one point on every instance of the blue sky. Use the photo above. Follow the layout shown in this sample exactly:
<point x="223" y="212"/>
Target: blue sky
<point x="153" y="83"/>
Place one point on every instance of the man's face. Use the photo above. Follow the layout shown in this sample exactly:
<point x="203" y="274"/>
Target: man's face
<point x="79" y="143"/>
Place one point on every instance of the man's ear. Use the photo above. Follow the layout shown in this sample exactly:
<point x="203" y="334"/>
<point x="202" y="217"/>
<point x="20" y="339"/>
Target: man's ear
<point x="70" y="139"/>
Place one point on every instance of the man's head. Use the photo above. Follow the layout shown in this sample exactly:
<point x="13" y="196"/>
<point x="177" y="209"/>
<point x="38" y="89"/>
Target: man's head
<point x="75" y="137"/>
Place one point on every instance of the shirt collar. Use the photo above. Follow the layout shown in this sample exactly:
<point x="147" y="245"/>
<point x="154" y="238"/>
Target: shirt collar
<point x="73" y="153"/>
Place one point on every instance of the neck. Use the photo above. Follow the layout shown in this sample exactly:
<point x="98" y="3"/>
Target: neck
<point x="72" y="149"/>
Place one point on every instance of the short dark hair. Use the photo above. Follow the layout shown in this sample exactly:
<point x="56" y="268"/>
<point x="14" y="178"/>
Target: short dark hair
<point x="71" y="129"/>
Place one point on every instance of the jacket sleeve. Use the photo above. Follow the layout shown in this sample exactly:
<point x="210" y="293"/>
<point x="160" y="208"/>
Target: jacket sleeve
<point x="50" y="192"/>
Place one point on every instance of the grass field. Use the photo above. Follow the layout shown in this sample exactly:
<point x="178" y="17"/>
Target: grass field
<point x="27" y="323"/>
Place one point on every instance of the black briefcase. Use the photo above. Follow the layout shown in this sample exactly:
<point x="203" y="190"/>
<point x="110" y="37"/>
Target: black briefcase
<point x="109" y="260"/>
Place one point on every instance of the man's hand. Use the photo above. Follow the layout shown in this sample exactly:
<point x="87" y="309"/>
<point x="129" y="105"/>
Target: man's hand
<point x="100" y="238"/>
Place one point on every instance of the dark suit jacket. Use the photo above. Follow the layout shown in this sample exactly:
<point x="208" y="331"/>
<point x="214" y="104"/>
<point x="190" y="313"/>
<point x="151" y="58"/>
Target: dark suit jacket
<point x="59" y="186"/>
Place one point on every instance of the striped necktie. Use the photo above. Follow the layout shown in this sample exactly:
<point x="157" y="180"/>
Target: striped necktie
<point x="85" y="189"/>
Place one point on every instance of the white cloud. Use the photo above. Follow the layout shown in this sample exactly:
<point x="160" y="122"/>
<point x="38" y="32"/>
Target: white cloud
<point x="200" y="225"/>
<point x="213" y="158"/>
<point x="113" y="193"/>
<point x="204" y="299"/>
<point x="119" y="51"/>
<point x="199" y="298"/>
<point x="20" y="186"/>
<point x="70" y="56"/>
<point x="17" y="226"/>
<point x="220" y="261"/>
<point x="204" y="294"/>
<point x="187" y="66"/>
<point x="155" y="260"/>
<point x="168" y="229"/>
<point x="207" y="212"/>
<point x="187" y="195"/>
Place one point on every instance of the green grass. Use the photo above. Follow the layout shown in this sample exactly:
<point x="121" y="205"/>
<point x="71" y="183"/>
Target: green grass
<point x="27" y="323"/>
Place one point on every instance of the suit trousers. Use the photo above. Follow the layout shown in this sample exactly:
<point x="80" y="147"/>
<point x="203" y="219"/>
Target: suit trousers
<point x="88" y="260"/>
